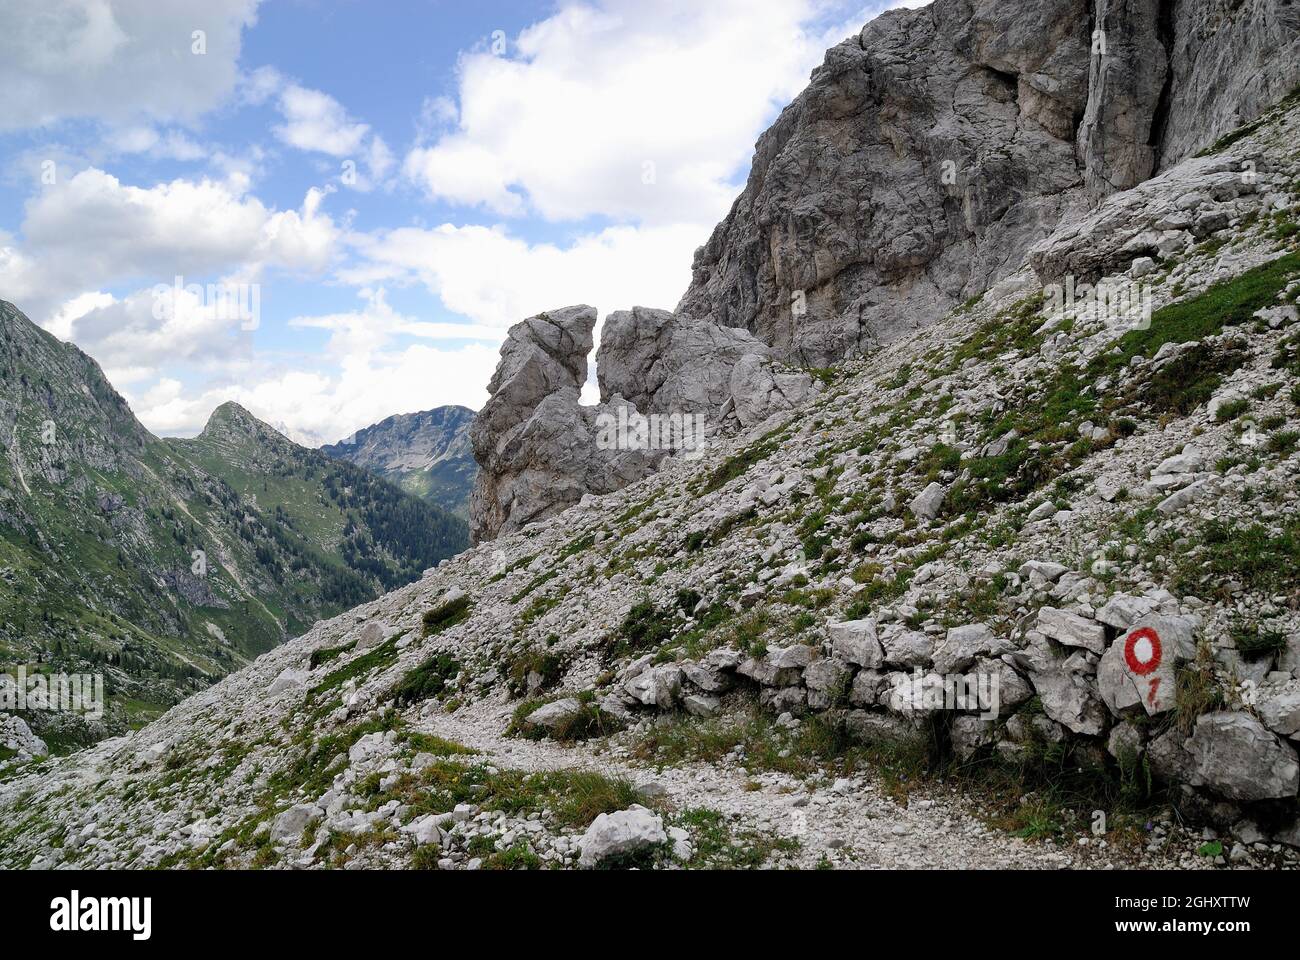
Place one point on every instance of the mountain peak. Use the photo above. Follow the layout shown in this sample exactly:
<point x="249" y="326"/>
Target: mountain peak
<point x="232" y="414"/>
<point x="427" y="454"/>
<point x="230" y="410"/>
<point x="231" y="417"/>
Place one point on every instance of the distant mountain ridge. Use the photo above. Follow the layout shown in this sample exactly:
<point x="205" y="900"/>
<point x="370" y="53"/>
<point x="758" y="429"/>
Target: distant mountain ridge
<point x="427" y="454"/>
<point x="165" y="564"/>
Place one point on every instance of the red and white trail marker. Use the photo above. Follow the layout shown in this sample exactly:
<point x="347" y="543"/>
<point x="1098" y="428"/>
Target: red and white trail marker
<point x="1143" y="656"/>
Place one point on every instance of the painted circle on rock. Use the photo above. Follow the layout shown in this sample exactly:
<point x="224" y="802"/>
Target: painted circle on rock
<point x="1142" y="651"/>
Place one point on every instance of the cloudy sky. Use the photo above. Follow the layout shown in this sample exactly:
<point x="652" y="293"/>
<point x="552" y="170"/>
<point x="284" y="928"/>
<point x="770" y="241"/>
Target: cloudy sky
<point x="397" y="181"/>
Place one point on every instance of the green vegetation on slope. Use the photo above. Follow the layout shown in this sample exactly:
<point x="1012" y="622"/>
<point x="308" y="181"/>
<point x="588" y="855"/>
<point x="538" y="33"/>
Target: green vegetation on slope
<point x="164" y="565"/>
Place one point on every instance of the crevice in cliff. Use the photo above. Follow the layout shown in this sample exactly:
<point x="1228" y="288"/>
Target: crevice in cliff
<point x="1082" y="112"/>
<point x="1160" y="119"/>
<point x="1008" y="80"/>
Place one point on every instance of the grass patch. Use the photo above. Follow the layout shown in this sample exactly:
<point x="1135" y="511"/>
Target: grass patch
<point x="819" y="740"/>
<point x="517" y="857"/>
<point x="364" y="665"/>
<point x="427" y="681"/>
<point x="574" y="797"/>
<point x="1050" y="791"/>
<point x="314" y="771"/>
<point x="1256" y="643"/>
<point x="1231" y="410"/>
<point x="546" y="666"/>
<point x="1197" y="691"/>
<point x="739" y="465"/>
<point x="719" y="847"/>
<point x="447" y="615"/>
<point x="588" y="723"/>
<point x="1190" y="380"/>
<point x="438" y="746"/>
<point x="645" y="627"/>
<point x="1283" y="444"/>
<point x="1249" y="554"/>
<point x="321" y="657"/>
<point x="1228" y="303"/>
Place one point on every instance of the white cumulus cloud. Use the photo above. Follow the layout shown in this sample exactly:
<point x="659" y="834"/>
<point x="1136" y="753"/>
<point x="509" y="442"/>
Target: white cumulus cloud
<point x="93" y="231"/>
<point x="117" y="60"/>
<point x="372" y="371"/>
<point x="621" y="108"/>
<point x="497" y="279"/>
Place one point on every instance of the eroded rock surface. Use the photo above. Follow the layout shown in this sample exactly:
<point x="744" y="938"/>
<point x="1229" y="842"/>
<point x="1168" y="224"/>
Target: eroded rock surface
<point x="540" y="450"/>
<point x="928" y="154"/>
<point x="534" y="441"/>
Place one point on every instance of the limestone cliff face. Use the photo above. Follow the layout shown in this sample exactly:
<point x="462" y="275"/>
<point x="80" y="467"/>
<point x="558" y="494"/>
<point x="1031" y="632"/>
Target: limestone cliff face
<point x="534" y="441"/>
<point x="663" y="363"/>
<point x="541" y="451"/>
<point x="930" y="157"/>
<point x="1230" y="61"/>
<point x="668" y="364"/>
<point x="930" y="153"/>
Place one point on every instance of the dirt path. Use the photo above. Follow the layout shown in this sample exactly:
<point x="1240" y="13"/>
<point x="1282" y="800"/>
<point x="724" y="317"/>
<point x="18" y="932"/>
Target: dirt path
<point x="848" y="823"/>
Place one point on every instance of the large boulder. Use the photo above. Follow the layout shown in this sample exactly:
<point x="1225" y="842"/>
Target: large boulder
<point x="668" y="364"/>
<point x="1138" y="670"/>
<point x="857" y="642"/>
<point x="657" y="687"/>
<point x="907" y="648"/>
<point x="291" y="824"/>
<point x="1071" y="700"/>
<point x="619" y="834"/>
<point x="780" y="666"/>
<point x="288" y="679"/>
<point x="1011" y="688"/>
<point x="828" y="682"/>
<point x="929" y="502"/>
<point x="1237" y="757"/>
<point x="667" y="384"/>
<point x="960" y="647"/>
<point x="535" y="443"/>
<point x="762" y="388"/>
<point x="553" y="715"/>
<point x="664" y="363"/>
<point x="17" y="736"/>
<point x="1071" y="629"/>
<point x="1278" y="705"/>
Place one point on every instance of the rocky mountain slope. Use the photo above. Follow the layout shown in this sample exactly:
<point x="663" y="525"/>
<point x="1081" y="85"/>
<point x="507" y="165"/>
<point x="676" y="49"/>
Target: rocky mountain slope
<point x="927" y="159"/>
<point x="164" y="565"/>
<point x="426" y="454"/>
<point x="930" y="153"/>
<point x="1018" y="590"/>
